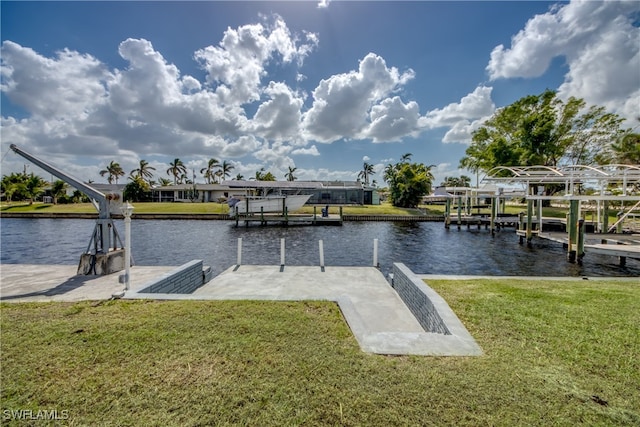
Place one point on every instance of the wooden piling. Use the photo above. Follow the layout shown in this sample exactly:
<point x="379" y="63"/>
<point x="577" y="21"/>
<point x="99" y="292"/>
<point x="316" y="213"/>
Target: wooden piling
<point x="572" y="228"/>
<point x="529" y="221"/>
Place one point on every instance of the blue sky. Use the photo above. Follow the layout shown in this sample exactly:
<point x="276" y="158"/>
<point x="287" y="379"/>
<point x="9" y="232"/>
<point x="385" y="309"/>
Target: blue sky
<point x="322" y="88"/>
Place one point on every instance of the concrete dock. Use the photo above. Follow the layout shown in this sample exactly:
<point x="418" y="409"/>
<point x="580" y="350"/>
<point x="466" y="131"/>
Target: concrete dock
<point x="377" y="316"/>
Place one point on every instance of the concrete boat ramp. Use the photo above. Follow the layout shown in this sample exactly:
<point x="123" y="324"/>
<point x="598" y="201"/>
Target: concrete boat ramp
<point x="382" y="321"/>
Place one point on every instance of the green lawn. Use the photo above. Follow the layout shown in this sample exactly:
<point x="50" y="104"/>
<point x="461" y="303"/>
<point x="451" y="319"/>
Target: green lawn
<point x="556" y="353"/>
<point x="198" y="208"/>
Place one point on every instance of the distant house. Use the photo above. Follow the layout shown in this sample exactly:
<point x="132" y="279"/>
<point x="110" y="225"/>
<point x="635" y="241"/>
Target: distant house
<point x="322" y="192"/>
<point x="191" y="193"/>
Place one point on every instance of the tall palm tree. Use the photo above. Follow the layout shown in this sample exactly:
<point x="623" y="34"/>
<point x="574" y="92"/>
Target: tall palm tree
<point x="33" y="187"/>
<point x="164" y="182"/>
<point x="239" y="177"/>
<point x="177" y="169"/>
<point x="367" y="170"/>
<point x="143" y="171"/>
<point x="289" y="175"/>
<point x="209" y="172"/>
<point x="225" y="169"/>
<point x="114" y="170"/>
<point x="405" y="158"/>
<point x="58" y="189"/>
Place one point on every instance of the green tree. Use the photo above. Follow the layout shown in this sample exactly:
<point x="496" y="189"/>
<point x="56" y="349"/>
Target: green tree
<point x="542" y="130"/>
<point x="143" y="171"/>
<point x="366" y="172"/>
<point x="164" y="182"/>
<point x="13" y="186"/>
<point x="136" y="190"/>
<point x="452" y="181"/>
<point x="626" y="150"/>
<point x="34" y="186"/>
<point x="177" y="169"/>
<point x="226" y="169"/>
<point x="408" y="182"/>
<point x="262" y="175"/>
<point x="58" y="190"/>
<point x="290" y="175"/>
<point x="239" y="177"/>
<point x="114" y="170"/>
<point x="209" y="172"/>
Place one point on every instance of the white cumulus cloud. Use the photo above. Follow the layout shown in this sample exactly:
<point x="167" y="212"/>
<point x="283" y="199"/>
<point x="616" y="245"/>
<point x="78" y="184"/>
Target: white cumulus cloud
<point x="599" y="43"/>
<point x="342" y="103"/>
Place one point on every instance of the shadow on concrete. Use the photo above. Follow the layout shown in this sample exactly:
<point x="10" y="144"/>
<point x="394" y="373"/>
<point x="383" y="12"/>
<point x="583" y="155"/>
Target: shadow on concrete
<point x="68" y="285"/>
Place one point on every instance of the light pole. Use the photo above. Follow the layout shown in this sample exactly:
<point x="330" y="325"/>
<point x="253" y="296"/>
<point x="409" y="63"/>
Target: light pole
<point x="127" y="210"/>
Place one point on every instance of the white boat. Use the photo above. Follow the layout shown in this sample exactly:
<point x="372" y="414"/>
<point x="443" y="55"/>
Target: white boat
<point x="266" y="204"/>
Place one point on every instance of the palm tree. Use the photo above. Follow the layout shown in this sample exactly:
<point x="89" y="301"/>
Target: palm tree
<point x="33" y="187"/>
<point x="405" y="158"/>
<point x="58" y="189"/>
<point x="260" y="174"/>
<point x="367" y="170"/>
<point x="114" y="170"/>
<point x="143" y="171"/>
<point x="209" y="172"/>
<point x="289" y="175"/>
<point x="177" y="168"/>
<point x="225" y="169"/>
<point x="239" y="177"/>
<point x="164" y="182"/>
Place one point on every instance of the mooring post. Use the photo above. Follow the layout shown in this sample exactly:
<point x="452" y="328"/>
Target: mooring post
<point x="127" y="210"/>
<point x="321" y="248"/>
<point x="375" y="252"/>
<point x="447" y="213"/>
<point x="239" y="258"/>
<point x="262" y="215"/>
<point x="581" y="228"/>
<point x="529" y="221"/>
<point x="493" y="215"/>
<point x="315" y="215"/>
<point x="520" y="227"/>
<point x="237" y="219"/>
<point x="282" y="252"/>
<point x="572" y="227"/>
<point x="605" y="216"/>
<point x="459" y="212"/>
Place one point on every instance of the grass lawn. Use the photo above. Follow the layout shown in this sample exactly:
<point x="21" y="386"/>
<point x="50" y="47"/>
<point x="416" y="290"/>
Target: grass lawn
<point x="556" y="353"/>
<point x="199" y="208"/>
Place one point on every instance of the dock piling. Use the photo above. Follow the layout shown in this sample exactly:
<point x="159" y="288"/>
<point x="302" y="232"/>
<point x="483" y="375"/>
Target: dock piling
<point x="321" y="248"/>
<point x="239" y="258"/>
<point x="375" y="253"/>
<point x="282" y="252"/>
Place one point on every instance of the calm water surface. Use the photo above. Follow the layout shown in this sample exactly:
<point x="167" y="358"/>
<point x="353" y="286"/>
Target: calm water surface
<point x="424" y="247"/>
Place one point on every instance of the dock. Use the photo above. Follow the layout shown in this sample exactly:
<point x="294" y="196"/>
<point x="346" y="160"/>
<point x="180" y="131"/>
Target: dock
<point x="379" y="318"/>
<point x="286" y="220"/>
<point x="619" y="245"/>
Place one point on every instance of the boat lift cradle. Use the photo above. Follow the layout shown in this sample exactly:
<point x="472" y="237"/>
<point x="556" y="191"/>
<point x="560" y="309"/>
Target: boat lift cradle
<point x="102" y="255"/>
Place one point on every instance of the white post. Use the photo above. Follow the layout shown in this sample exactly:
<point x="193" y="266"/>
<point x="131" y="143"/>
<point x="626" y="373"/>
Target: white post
<point x="239" y="261"/>
<point x="375" y="252"/>
<point x="127" y="210"/>
<point x="281" y="252"/>
<point x="321" y="246"/>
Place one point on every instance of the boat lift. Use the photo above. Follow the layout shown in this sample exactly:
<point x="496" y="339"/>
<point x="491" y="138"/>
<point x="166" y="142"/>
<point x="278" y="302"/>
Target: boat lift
<point x="105" y="252"/>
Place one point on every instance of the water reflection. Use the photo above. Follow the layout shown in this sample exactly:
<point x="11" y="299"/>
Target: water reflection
<point x="424" y="247"/>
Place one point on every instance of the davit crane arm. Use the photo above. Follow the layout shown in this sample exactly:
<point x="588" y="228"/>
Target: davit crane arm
<point x="101" y="241"/>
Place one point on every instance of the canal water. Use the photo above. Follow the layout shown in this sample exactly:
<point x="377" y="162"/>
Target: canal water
<point x="425" y="247"/>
